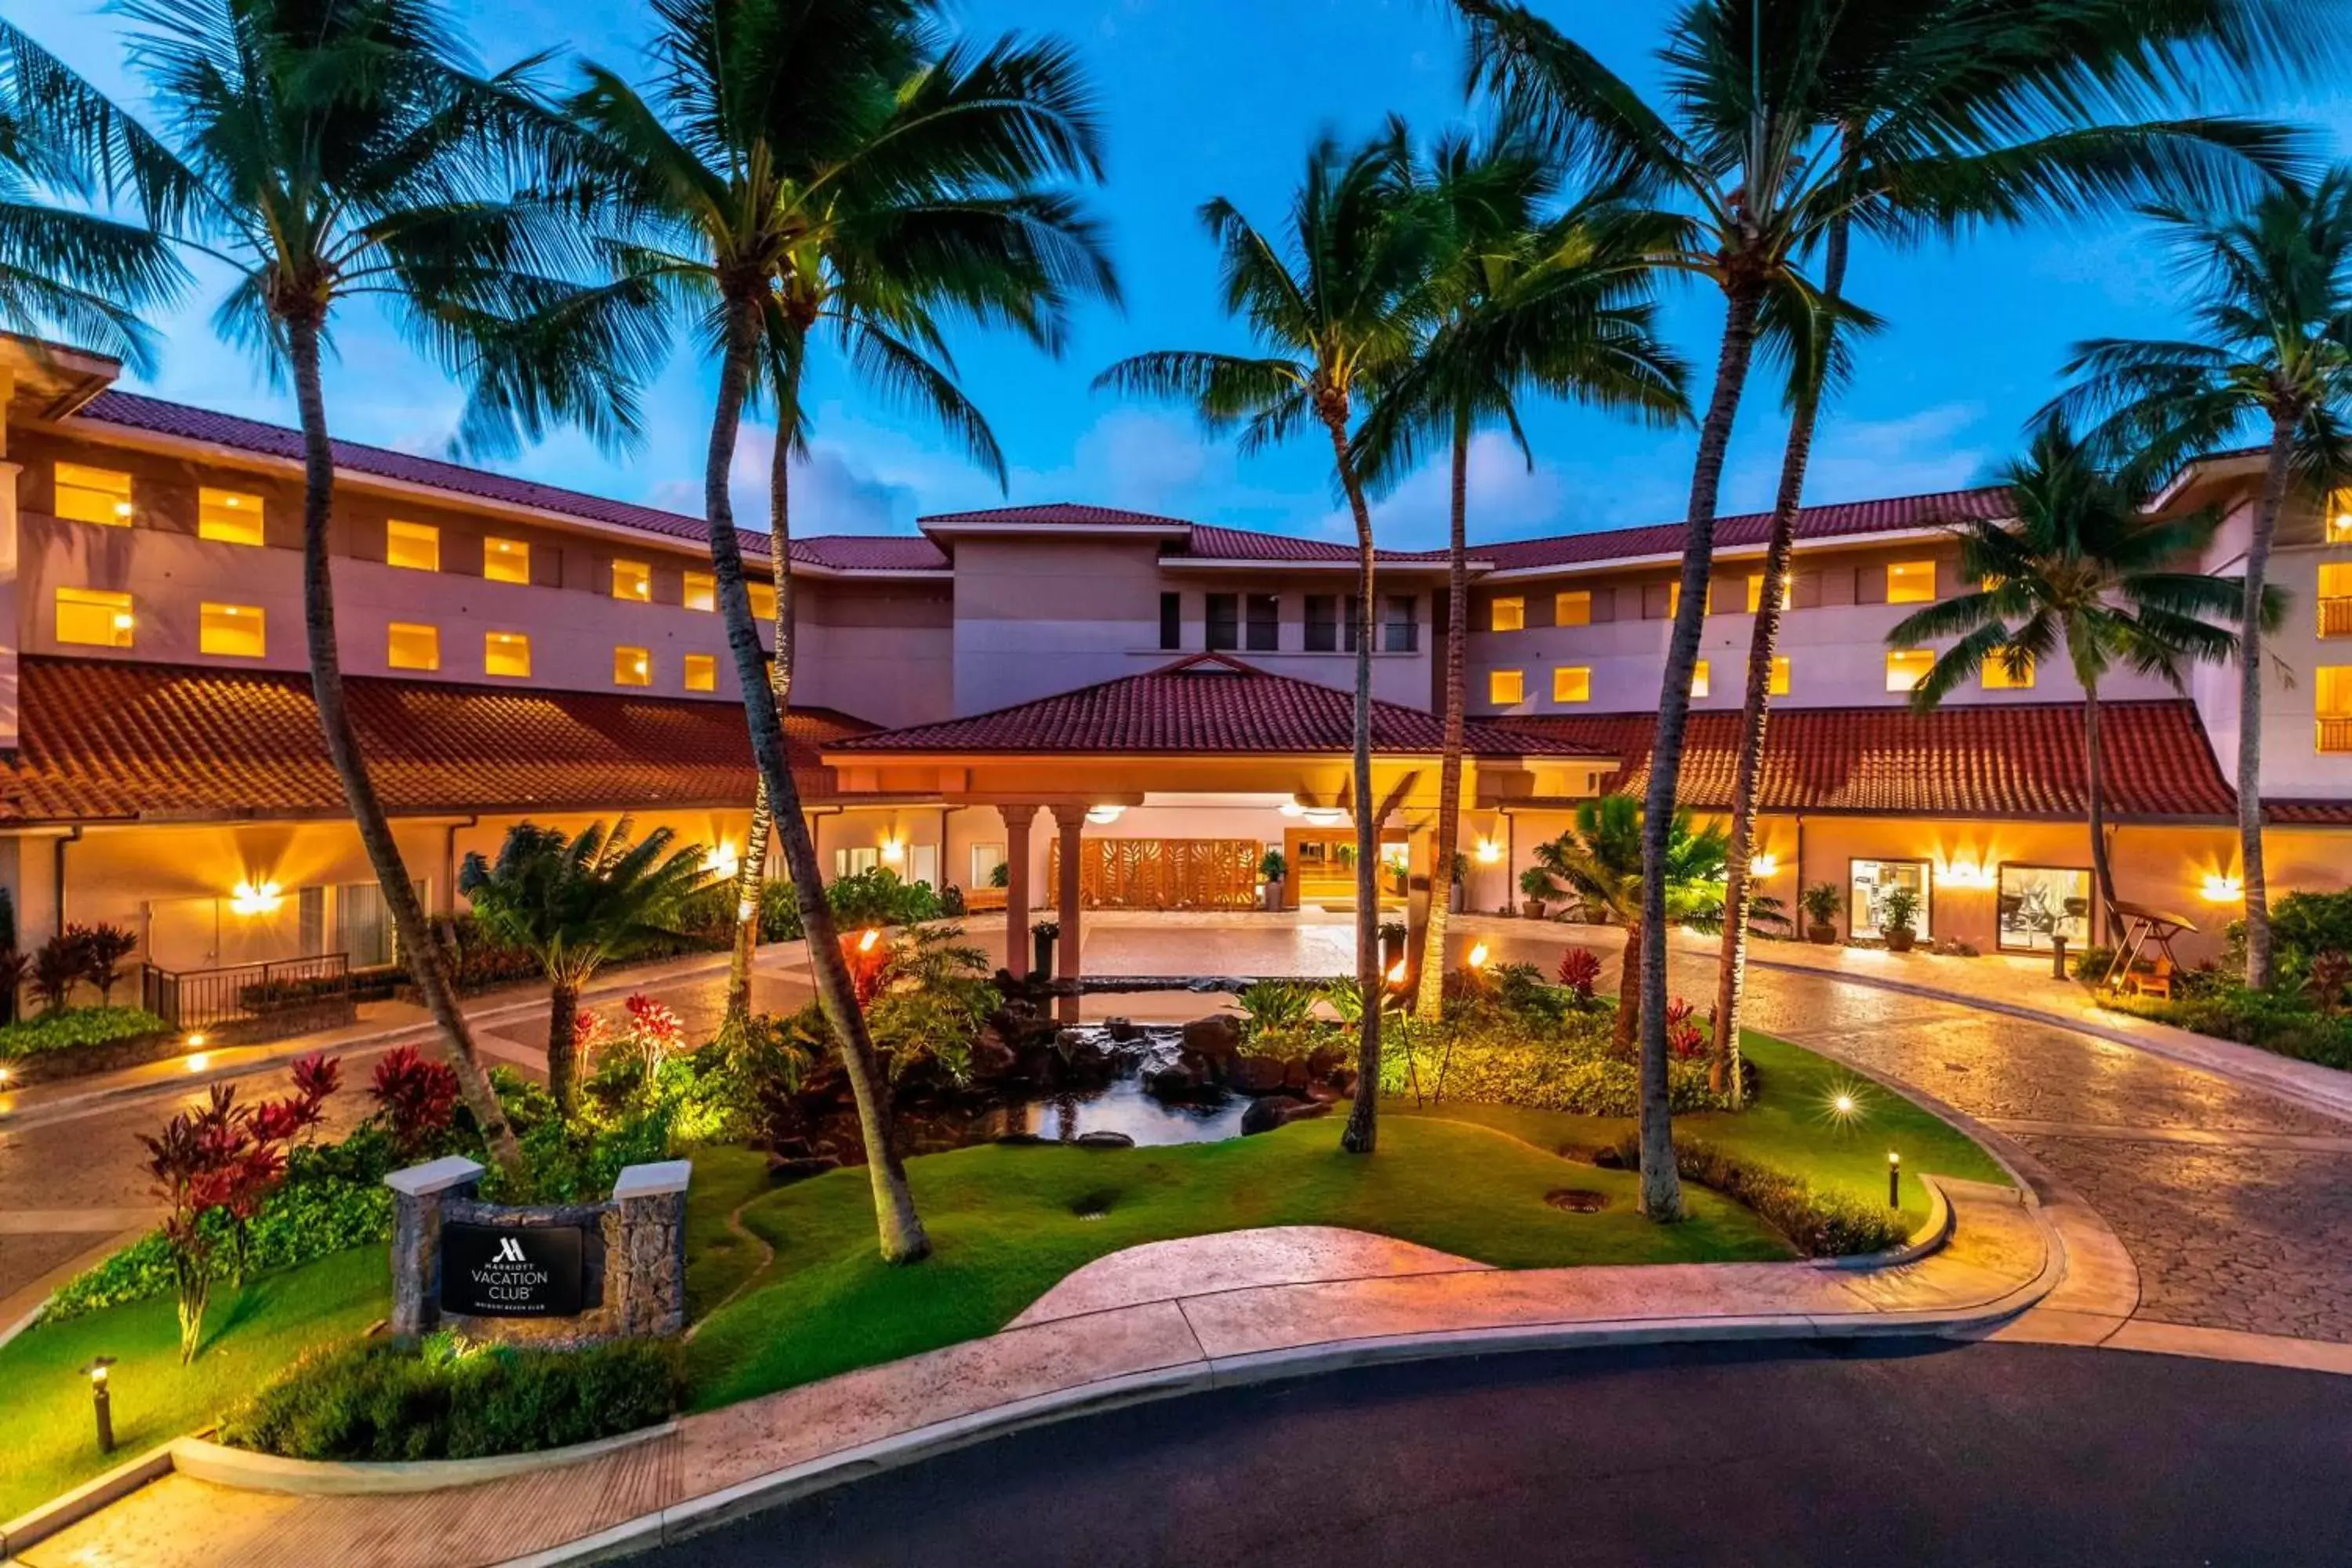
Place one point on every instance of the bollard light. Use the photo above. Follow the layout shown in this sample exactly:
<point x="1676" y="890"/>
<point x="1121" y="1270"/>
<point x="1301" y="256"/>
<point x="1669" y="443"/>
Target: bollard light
<point x="1893" y="1179"/>
<point x="100" y="1401"/>
<point x="1478" y="956"/>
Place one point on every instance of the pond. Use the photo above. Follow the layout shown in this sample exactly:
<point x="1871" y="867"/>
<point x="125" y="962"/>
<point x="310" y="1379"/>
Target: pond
<point x="1125" y="1106"/>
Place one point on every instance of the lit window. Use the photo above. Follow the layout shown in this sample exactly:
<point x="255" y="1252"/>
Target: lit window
<point x="1911" y="582"/>
<point x="506" y="560"/>
<point x="95" y="616"/>
<point x="633" y="580"/>
<point x="233" y="517"/>
<point x="1779" y="682"/>
<point x="1755" y="592"/>
<point x="1506" y="687"/>
<point x="1908" y="667"/>
<point x="506" y="653"/>
<point x="763" y="600"/>
<point x="2335" y="599"/>
<point x="1571" y="683"/>
<point x="1996" y="675"/>
<point x="409" y="645"/>
<point x="2339" y="517"/>
<point x="413" y="545"/>
<point x="1698" y="679"/>
<point x="2334" y="701"/>
<point x="701" y="591"/>
<point x="1573" y="608"/>
<point x="94" y="495"/>
<point x="233" y="631"/>
<point x="632" y="666"/>
<point x="1509" y="615"/>
<point x="701" y="672"/>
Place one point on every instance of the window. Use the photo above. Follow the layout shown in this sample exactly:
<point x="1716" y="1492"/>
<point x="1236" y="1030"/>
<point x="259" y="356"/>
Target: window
<point x="1264" y="629"/>
<point x="1911" y="582"/>
<point x="1874" y="879"/>
<point x="1995" y="674"/>
<point x="2332" y="694"/>
<point x="1908" y="667"/>
<point x="633" y="580"/>
<point x="232" y="517"/>
<point x="851" y="862"/>
<point x="1171" y="621"/>
<point x="1573" y="608"/>
<point x="1322" y="623"/>
<point x="632" y="666"/>
<point x="1755" y="592"/>
<point x="310" y="920"/>
<point x="408" y="645"/>
<point x="2335" y="599"/>
<point x="95" y="616"/>
<point x="1571" y="683"/>
<point x="701" y="672"/>
<point x="362" y="924"/>
<point x="2039" y="903"/>
<point x="2339" y="517"/>
<point x="506" y="654"/>
<point x="233" y="631"/>
<point x="94" y="495"/>
<point x="1508" y="615"/>
<point x="1225" y="621"/>
<point x="1506" y="687"/>
<point x="763" y="600"/>
<point x="701" y="592"/>
<point x="1778" y="683"/>
<point x="985" y="861"/>
<point x="506" y="560"/>
<point x="1698" y="679"/>
<point x="1400" y="628"/>
<point x="413" y="545"/>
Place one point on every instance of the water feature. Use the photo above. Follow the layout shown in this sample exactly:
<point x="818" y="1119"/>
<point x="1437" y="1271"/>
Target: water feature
<point x="1125" y="1106"/>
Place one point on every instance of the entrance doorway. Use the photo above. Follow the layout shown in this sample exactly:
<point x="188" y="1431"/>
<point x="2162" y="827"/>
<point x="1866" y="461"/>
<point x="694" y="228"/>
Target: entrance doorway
<point x="1323" y="866"/>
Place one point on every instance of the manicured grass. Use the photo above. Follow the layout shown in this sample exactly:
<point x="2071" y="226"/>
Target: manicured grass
<point x="1004" y="1233"/>
<point x="1791" y="1127"/>
<point x="46" y="1439"/>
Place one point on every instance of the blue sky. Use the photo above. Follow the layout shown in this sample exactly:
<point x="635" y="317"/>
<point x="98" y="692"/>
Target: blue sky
<point x="1205" y="98"/>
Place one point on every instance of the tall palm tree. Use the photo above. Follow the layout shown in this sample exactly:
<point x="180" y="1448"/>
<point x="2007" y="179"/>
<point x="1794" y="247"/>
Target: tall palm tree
<point x="1335" y="305"/>
<point x="574" y="904"/>
<point x="2085" y="576"/>
<point x="1524" y="298"/>
<point x="779" y="142"/>
<point x="2270" y="298"/>
<point x="1750" y="155"/>
<point x="343" y="149"/>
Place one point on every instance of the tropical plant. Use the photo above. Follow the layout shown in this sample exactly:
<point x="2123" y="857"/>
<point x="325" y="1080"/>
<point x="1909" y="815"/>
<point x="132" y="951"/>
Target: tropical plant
<point x="59" y="965"/>
<point x="1599" y="859"/>
<point x="207" y="1159"/>
<point x="1580" y="971"/>
<point x="576" y="903"/>
<point x="2269" y="296"/>
<point x="103" y="949"/>
<point x="1273" y="1004"/>
<point x="2083" y="574"/>
<point x="333" y="151"/>
<point x="832" y="160"/>
<point x="1898" y="916"/>
<point x="1821" y="903"/>
<point x="1333" y="305"/>
<point x="1535" y="288"/>
<point x="416" y="1097"/>
<point x="1272" y="867"/>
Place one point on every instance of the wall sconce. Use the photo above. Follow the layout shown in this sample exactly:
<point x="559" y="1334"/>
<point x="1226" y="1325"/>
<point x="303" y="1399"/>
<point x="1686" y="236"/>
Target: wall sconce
<point x="1968" y="874"/>
<point x="1104" y="816"/>
<point x="1764" y="866"/>
<point x="722" y="862"/>
<point x="894" y="850"/>
<point x="256" y="899"/>
<point x="2221" y="889"/>
<point x="1489" y="852"/>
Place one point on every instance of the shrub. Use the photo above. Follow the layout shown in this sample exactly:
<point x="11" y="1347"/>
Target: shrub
<point x="2304" y="925"/>
<point x="443" y="1399"/>
<point x="2286" y="1022"/>
<point x="103" y="948"/>
<point x="1273" y="1004"/>
<point x="59" y="965"/>
<point x="1492" y="1056"/>
<point x="878" y="897"/>
<point x="2091" y="964"/>
<point x="1818" y="1224"/>
<point x="1579" y="972"/>
<point x="417" y="1097"/>
<point x="73" y="1028"/>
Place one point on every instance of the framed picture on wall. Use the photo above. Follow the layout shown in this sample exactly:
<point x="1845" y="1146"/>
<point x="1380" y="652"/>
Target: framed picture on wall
<point x="2040" y="904"/>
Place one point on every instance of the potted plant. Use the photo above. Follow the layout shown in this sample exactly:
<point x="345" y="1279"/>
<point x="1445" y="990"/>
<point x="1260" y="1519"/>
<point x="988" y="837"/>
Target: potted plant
<point x="1042" y="938"/>
<point x="1821" y="904"/>
<point x="1392" y="934"/>
<point x="1457" y="889"/>
<point x="1536" y="885"/>
<point x="1271" y="870"/>
<point x="1899" y="919"/>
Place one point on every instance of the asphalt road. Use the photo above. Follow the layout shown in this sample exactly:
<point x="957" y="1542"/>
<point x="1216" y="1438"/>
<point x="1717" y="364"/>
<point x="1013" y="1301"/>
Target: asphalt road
<point x="1890" y="1455"/>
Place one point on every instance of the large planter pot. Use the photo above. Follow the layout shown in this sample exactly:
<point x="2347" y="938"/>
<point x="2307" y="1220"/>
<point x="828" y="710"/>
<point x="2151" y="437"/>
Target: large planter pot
<point x="1900" y="941"/>
<point x="1273" y="897"/>
<point x="1392" y="952"/>
<point x="1040" y="954"/>
<point x="1533" y="909"/>
<point x="1823" y="936"/>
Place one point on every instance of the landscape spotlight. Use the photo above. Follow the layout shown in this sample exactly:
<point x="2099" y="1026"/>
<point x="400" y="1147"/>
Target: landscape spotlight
<point x="101" y="1402"/>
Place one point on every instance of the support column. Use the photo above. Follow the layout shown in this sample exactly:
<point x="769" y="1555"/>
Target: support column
<point x="1016" y="887"/>
<point x="1423" y="881"/>
<point x="418" y="1193"/>
<point x="1072" y="820"/>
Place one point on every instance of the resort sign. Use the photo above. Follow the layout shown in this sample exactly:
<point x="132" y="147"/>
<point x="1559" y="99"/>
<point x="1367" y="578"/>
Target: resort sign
<point x="510" y="1272"/>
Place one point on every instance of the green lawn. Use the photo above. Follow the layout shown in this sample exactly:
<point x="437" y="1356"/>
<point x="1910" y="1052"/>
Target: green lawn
<point x="47" y="1441"/>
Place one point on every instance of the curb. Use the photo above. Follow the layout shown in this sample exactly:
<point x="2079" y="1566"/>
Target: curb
<point x="92" y="1495"/>
<point x="250" y="1471"/>
<point x="1933" y="1233"/>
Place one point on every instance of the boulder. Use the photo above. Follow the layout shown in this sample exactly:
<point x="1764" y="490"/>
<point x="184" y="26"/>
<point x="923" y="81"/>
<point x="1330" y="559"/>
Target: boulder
<point x="1121" y="1029"/>
<point x="781" y="1169"/>
<point x="1214" y="1037"/>
<point x="1276" y="1110"/>
<point x="1104" y="1139"/>
<point x="1020" y="1140"/>
<point x="1174" y="1080"/>
<point x="1256" y="1075"/>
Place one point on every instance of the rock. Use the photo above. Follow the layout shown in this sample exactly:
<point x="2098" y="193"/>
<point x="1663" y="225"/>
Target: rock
<point x="795" y="1170"/>
<point x="1104" y="1139"/>
<point x="1020" y="1140"/>
<point x="791" y="1149"/>
<point x="1121" y="1029"/>
<point x="1214" y="1037"/>
<point x="1275" y="1110"/>
<point x="1256" y="1075"/>
<point x="1068" y="1041"/>
<point x="1172" y="1081"/>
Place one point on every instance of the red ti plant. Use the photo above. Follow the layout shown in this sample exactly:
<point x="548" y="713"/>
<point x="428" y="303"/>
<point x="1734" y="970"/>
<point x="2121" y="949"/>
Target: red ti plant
<point x="1580" y="971"/>
<point x="1684" y="1037"/>
<point x="417" y="1097"/>
<point x="194" y="1162"/>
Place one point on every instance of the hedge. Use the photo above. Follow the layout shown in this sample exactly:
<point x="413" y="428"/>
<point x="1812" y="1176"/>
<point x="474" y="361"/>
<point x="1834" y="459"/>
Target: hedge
<point x="71" y="1028"/>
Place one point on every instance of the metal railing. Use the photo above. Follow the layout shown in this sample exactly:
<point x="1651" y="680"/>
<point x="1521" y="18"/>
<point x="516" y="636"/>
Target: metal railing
<point x="2336" y="736"/>
<point x="2335" y="617"/>
<point x="282" y="998"/>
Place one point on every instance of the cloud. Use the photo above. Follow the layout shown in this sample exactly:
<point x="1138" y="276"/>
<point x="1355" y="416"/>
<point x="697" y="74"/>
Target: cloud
<point x="1507" y="499"/>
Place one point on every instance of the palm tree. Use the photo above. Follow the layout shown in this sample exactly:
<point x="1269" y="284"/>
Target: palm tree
<point x="1335" y="305"/>
<point x="339" y="150"/>
<point x="1600" y="860"/>
<point x="2085" y="575"/>
<point x="576" y="903"/>
<point x="782" y="146"/>
<point x="1752" y="153"/>
<point x="2272" y="301"/>
<point x="1560" y="303"/>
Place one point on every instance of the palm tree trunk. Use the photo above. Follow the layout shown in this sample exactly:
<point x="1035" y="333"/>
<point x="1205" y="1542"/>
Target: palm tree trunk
<point x="1431" y="1002"/>
<point x="1629" y="991"/>
<point x="899" y="1227"/>
<point x="562" y="1058"/>
<point x="2094" y="784"/>
<point x="1362" y="1133"/>
<point x="1662" y="1187"/>
<point x="417" y="948"/>
<point x="2251" y="876"/>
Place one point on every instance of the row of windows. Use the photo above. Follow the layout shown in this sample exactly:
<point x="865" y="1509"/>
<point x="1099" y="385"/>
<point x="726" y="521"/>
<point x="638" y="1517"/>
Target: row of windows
<point x="98" y="618"/>
<point x="1905" y="668"/>
<point x="1907" y="583"/>
<point x="235" y="517"/>
<point x="1252" y="623"/>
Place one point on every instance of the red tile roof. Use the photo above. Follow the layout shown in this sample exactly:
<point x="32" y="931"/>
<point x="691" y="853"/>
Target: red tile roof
<point x="1844" y="519"/>
<point x="106" y="740"/>
<point x="1209" y="703"/>
<point x="2307" y="812"/>
<point x="1062" y="513"/>
<point x="1211" y="543"/>
<point x="2010" y="761"/>
<point x="869" y="552"/>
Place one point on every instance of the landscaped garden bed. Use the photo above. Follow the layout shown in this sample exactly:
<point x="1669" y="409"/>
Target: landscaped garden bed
<point x="2308" y="1011"/>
